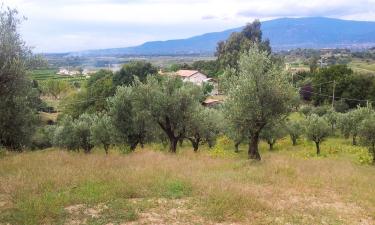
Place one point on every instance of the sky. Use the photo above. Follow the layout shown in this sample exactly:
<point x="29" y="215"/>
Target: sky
<point x="74" y="25"/>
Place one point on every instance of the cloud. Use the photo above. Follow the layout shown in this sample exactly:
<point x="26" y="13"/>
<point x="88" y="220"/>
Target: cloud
<point x="66" y="25"/>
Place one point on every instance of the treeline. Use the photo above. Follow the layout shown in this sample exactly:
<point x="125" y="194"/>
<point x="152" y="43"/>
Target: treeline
<point x="337" y="82"/>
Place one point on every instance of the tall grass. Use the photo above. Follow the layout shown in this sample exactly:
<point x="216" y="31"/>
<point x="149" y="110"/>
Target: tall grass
<point x="37" y="187"/>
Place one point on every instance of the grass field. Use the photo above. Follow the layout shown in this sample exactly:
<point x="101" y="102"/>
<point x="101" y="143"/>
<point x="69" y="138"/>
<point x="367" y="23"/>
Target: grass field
<point x="150" y="186"/>
<point x="363" y="66"/>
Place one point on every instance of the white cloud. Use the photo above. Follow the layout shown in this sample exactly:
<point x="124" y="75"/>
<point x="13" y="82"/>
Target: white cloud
<point x="65" y="25"/>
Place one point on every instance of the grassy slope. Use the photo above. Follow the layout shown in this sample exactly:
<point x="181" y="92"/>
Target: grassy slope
<point x="363" y="66"/>
<point x="152" y="187"/>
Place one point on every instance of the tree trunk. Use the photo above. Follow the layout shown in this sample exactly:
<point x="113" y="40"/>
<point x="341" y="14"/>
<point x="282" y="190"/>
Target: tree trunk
<point x="195" y="145"/>
<point x="173" y="144"/>
<point x="317" y="148"/>
<point x="354" y="140"/>
<point x="106" y="147"/>
<point x="181" y="142"/>
<point x="253" y="147"/>
<point x="236" y="146"/>
<point x="271" y="146"/>
<point x="133" y="146"/>
<point x="294" y="140"/>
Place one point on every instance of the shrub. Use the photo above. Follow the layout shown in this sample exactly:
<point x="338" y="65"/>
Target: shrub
<point x="317" y="129"/>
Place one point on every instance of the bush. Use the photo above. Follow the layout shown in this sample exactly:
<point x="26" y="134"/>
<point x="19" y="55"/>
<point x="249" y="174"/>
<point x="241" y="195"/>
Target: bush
<point x="222" y="148"/>
<point x="43" y="138"/>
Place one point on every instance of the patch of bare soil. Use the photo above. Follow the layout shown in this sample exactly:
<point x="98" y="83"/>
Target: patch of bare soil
<point x="162" y="212"/>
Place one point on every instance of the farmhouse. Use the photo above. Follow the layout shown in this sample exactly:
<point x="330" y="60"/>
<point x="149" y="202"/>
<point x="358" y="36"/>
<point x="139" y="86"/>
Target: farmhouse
<point x="193" y="76"/>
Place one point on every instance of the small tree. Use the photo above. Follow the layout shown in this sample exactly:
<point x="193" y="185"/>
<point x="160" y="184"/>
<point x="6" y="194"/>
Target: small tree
<point x="82" y="127"/>
<point x="350" y="122"/>
<point x="170" y="103"/>
<point x="367" y="133"/>
<point x="331" y="116"/>
<point x="65" y="136"/>
<point x="317" y="129"/>
<point x="295" y="130"/>
<point x="55" y="87"/>
<point x="102" y="131"/>
<point x="203" y="127"/>
<point x="129" y="116"/>
<point x="271" y="133"/>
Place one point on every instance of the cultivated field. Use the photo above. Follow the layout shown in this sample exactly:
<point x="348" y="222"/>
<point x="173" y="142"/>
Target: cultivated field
<point x="150" y="186"/>
<point x="45" y="74"/>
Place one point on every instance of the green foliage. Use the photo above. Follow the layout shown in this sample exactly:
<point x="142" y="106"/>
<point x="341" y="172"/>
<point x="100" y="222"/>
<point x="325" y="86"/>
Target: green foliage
<point x="129" y="117"/>
<point x="211" y="67"/>
<point x="273" y="132"/>
<point x="140" y="69"/>
<point x="306" y="110"/>
<point x="295" y="129"/>
<point x="229" y="52"/>
<point x="92" y="97"/>
<point x="332" y="117"/>
<point x="350" y="122"/>
<point x="18" y="101"/>
<point x="367" y="133"/>
<point x="222" y="148"/>
<point x="170" y="103"/>
<point x="317" y="130"/>
<point x="258" y="94"/>
<point x="204" y="126"/>
<point x="64" y="135"/>
<point x="75" y="134"/>
<point x="102" y="131"/>
<point x="43" y="137"/>
<point x="55" y="87"/>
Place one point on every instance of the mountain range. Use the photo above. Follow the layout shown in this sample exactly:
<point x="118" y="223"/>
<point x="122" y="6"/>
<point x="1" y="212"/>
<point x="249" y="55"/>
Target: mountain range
<point x="284" y="34"/>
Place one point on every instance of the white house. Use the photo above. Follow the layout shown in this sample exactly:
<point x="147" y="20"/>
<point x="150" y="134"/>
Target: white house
<point x="193" y="76"/>
<point x="198" y="78"/>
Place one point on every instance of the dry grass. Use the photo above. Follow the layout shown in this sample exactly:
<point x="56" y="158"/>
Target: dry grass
<point x="153" y="187"/>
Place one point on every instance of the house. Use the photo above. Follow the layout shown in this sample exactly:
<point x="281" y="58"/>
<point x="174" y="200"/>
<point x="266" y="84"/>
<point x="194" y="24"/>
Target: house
<point x="198" y="78"/>
<point x="193" y="76"/>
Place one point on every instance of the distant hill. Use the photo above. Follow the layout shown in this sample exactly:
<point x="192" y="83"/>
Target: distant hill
<point x="284" y="34"/>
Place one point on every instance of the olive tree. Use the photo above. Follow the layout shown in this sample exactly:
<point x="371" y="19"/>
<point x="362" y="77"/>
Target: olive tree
<point x="331" y="116"/>
<point x="171" y="104"/>
<point x="18" y="100"/>
<point x="103" y="131"/>
<point x="83" y="132"/>
<point x="317" y="130"/>
<point x="367" y="133"/>
<point x="259" y="93"/>
<point x="350" y="122"/>
<point x="64" y="134"/>
<point x="295" y="129"/>
<point x="129" y="116"/>
<point x="204" y="126"/>
<point x="271" y="133"/>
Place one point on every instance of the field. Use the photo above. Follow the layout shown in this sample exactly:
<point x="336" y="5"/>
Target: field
<point x="45" y="74"/>
<point x="290" y="186"/>
<point x="363" y="66"/>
